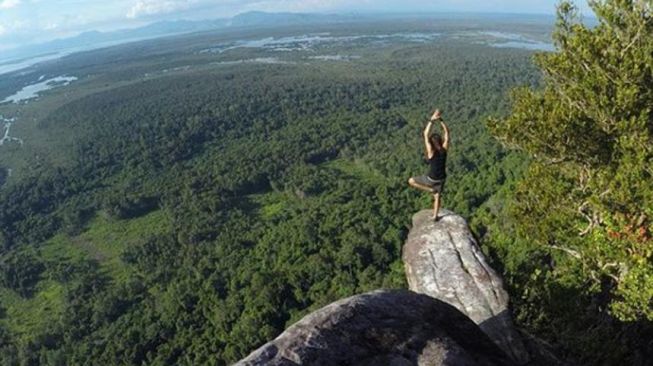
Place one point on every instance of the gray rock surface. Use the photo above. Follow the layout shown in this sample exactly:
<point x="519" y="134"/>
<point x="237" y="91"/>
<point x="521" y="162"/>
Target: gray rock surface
<point x="393" y="328"/>
<point x="443" y="260"/>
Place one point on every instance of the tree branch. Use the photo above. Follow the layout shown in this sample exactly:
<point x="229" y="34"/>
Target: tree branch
<point x="571" y="252"/>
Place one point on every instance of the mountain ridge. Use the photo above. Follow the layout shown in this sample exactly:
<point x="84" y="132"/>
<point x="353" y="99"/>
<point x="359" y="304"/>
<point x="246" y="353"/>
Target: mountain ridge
<point x="169" y="28"/>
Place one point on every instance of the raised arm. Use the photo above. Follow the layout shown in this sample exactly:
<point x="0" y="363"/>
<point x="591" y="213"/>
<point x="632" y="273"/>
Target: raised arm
<point x="427" y="134"/>
<point x="427" y="143"/>
<point x="445" y="143"/>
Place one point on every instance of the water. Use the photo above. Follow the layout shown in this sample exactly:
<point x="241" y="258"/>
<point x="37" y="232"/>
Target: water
<point x="33" y="90"/>
<point x="514" y="40"/>
<point x="504" y="35"/>
<point x="308" y="42"/>
<point x="14" y="65"/>
<point x="259" y="60"/>
<point x="334" y="57"/>
<point x="7" y="126"/>
<point x="532" y="45"/>
<point x="418" y="37"/>
<point x="283" y="44"/>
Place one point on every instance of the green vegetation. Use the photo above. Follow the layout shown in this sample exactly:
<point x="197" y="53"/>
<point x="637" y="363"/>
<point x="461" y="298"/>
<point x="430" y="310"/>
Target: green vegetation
<point x="185" y="211"/>
<point x="28" y="316"/>
<point x="580" y="253"/>
<point x="198" y="213"/>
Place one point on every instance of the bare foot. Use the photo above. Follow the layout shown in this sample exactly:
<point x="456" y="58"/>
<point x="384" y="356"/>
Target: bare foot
<point x="434" y="218"/>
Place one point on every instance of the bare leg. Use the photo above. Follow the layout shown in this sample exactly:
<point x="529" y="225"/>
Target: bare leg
<point x="436" y="206"/>
<point x="414" y="184"/>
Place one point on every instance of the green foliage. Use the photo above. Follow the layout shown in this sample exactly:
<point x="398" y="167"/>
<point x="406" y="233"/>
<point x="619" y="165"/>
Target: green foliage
<point x="200" y="213"/>
<point x="3" y="176"/>
<point x="20" y="271"/>
<point x="26" y="317"/>
<point x="590" y="133"/>
<point x="576" y="235"/>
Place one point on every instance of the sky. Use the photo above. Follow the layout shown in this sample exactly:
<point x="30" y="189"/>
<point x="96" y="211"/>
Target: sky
<point x="25" y="22"/>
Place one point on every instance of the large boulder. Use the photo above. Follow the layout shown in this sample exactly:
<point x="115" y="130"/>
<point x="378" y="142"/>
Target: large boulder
<point x="443" y="260"/>
<point x="394" y="328"/>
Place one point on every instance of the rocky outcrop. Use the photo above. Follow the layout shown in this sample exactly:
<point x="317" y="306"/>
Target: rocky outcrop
<point x="394" y="328"/>
<point x="443" y="260"/>
<point x="456" y="314"/>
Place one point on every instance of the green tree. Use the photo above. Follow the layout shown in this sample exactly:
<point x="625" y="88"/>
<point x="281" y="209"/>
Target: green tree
<point x="587" y="196"/>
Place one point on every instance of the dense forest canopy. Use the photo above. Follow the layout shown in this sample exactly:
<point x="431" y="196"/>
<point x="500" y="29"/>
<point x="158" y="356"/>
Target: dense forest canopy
<point x="186" y="199"/>
<point x="195" y="214"/>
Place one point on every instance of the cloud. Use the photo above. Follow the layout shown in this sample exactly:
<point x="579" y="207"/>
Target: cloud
<point x="14" y="26"/>
<point x="7" y="4"/>
<point x="51" y="26"/>
<point x="302" y="5"/>
<point x="154" y="7"/>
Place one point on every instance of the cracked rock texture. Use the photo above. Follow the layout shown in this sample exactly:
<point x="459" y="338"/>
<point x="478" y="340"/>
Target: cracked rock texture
<point x="443" y="260"/>
<point x="394" y="328"/>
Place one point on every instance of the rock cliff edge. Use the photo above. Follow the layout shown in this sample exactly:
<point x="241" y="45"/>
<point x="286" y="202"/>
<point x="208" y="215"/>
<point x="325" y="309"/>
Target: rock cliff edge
<point x="443" y="260"/>
<point x="455" y="314"/>
<point x="393" y="328"/>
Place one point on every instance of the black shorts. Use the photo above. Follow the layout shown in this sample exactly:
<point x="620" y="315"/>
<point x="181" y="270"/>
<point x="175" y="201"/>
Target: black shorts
<point x="437" y="186"/>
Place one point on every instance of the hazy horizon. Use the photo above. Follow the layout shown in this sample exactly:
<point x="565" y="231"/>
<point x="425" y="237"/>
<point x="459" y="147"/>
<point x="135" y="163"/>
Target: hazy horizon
<point x="26" y="22"/>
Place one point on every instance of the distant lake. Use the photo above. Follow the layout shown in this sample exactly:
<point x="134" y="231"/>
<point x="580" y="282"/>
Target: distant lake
<point x="514" y="40"/>
<point x="33" y="90"/>
<point x="307" y="42"/>
<point x="334" y="57"/>
<point x="532" y="45"/>
<point x="13" y="65"/>
<point x="8" y="65"/>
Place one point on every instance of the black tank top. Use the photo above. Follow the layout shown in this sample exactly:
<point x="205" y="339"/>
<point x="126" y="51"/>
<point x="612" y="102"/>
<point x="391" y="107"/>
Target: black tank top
<point x="437" y="165"/>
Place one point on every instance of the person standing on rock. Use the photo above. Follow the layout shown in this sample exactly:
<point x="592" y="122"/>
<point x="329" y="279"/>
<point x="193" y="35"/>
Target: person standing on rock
<point x="436" y="156"/>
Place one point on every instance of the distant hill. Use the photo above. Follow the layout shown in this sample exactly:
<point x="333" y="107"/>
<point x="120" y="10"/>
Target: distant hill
<point x="21" y="57"/>
<point x="259" y="18"/>
<point x="95" y="39"/>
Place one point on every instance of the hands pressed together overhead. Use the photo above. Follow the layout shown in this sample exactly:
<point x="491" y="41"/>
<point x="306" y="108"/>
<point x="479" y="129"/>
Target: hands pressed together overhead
<point x="436" y="115"/>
